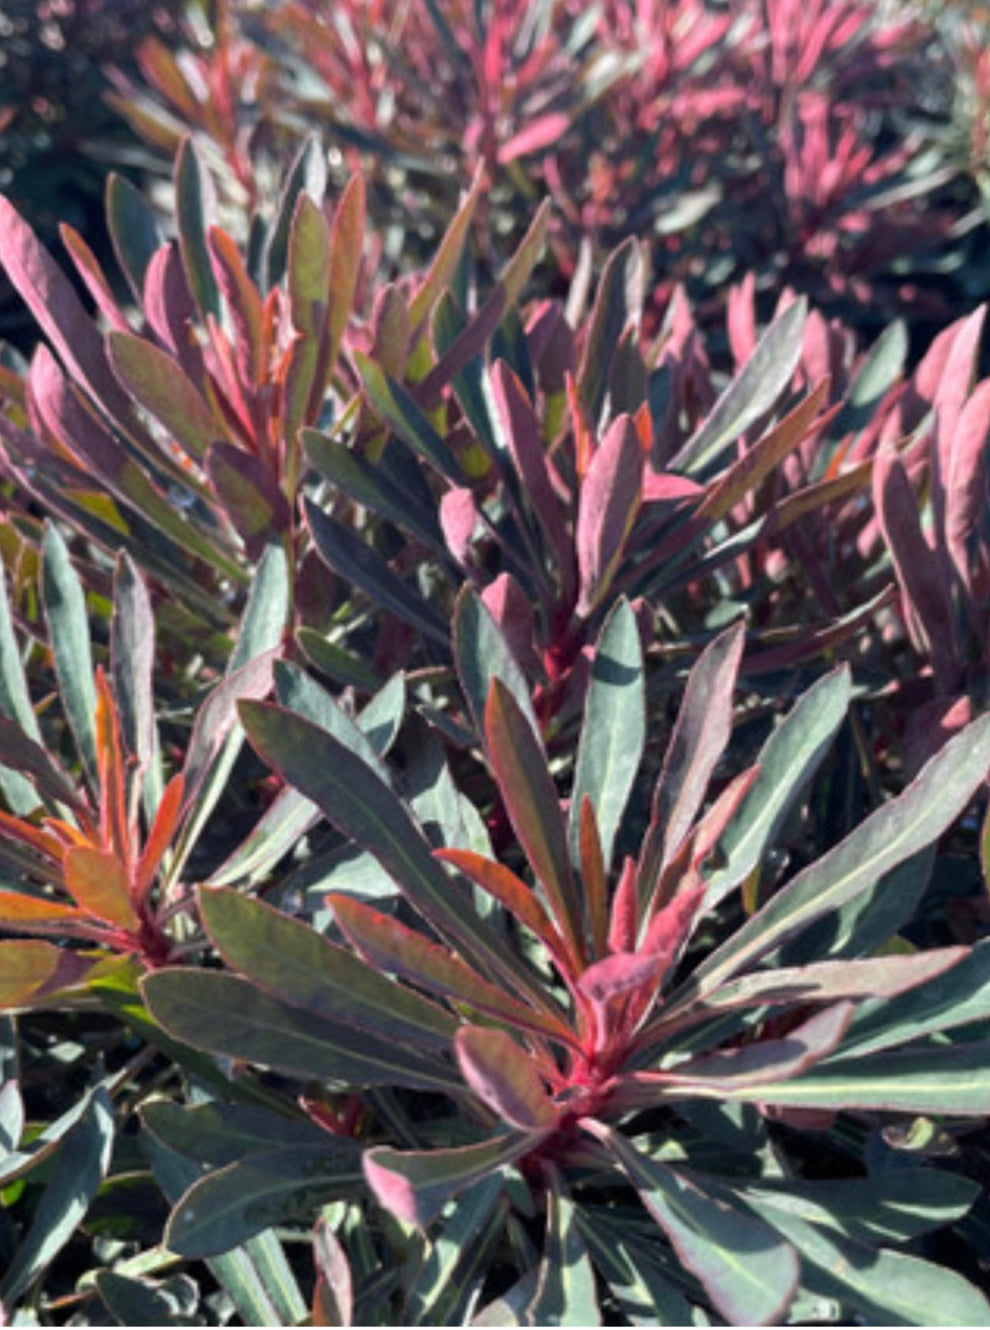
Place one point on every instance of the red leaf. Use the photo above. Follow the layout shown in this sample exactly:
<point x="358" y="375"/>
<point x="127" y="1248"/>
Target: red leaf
<point x="333" y="1295"/>
<point x="502" y="1076"/>
<point x="396" y="949"/>
<point x="594" y="877"/>
<point x="502" y="884"/>
<point x="98" y="883"/>
<point x="115" y="831"/>
<point x="625" y="920"/>
<point x="160" y="835"/>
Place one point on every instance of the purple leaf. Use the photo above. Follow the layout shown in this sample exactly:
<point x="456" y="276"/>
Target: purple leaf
<point x="698" y="741"/>
<point x="251" y="498"/>
<point x="607" y="507"/>
<point x="503" y="1077"/>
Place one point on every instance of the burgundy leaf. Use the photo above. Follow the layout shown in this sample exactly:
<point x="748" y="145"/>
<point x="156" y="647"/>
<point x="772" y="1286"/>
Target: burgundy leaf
<point x="503" y="1077"/>
<point x="607" y="508"/>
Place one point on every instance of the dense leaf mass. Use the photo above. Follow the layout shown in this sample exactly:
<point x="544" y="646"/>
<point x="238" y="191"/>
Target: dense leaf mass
<point x="494" y="664"/>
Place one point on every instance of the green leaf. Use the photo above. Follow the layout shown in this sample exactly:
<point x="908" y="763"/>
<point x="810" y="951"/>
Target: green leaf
<point x="225" y="1014"/>
<point x="786" y="763"/>
<point x="749" y="1274"/>
<point x="613" y="734"/>
<point x="216" y="1133"/>
<point x="959" y="997"/>
<point x="637" y="1280"/>
<point x="415" y="1185"/>
<point x="360" y="565"/>
<point x="447" y="258"/>
<point x="79" y="1168"/>
<point x="242" y="1199"/>
<point x="886" y="1287"/>
<point x="618" y="304"/>
<point x="133" y="230"/>
<point x="195" y="208"/>
<point x="533" y="805"/>
<point x="15" y="704"/>
<point x="397" y="409"/>
<point x="356" y="801"/>
<point x="565" y="1292"/>
<point x="461" y="1249"/>
<point x="136" y="1301"/>
<point x="893" y="1206"/>
<point x="266" y="613"/>
<point x="482" y="654"/>
<point x="371" y="485"/>
<point x="255" y="1276"/>
<point x="300" y="693"/>
<point x="952" y="1079"/>
<point x="754" y="391"/>
<point x="132" y="658"/>
<point x="879" y="370"/>
<point x="308" y="174"/>
<point x="68" y="627"/>
<point x="899" y="829"/>
<point x="297" y="965"/>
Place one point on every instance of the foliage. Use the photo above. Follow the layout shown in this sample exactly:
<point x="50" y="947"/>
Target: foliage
<point x="493" y="744"/>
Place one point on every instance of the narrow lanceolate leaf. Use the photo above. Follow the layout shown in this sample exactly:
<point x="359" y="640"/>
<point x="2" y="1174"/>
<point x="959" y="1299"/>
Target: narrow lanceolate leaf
<point x="745" y="475"/>
<point x="346" y="242"/>
<point x="355" y="560"/>
<point x="502" y="1076"/>
<point x="247" y="1196"/>
<point x="951" y="1079"/>
<point x="132" y="658"/>
<point x="607" y="507"/>
<point x="613" y="733"/>
<point x="448" y="256"/>
<point x="158" y="383"/>
<point x="388" y="945"/>
<point x="749" y="1273"/>
<point x="195" y="205"/>
<point x="753" y="392"/>
<point x="531" y="800"/>
<point x="296" y="964"/>
<point x="966" y="481"/>
<point x="565" y="1292"/>
<point x="133" y="231"/>
<point x="397" y="409"/>
<point x="618" y="306"/>
<point x="308" y="273"/>
<point x="33" y="761"/>
<point x="786" y="763"/>
<point x="225" y="1014"/>
<point x="955" y="997"/>
<point x="880" y="977"/>
<point x="700" y="735"/>
<point x="458" y="1257"/>
<point x="51" y="298"/>
<point x="362" y="806"/>
<point x="414" y="1185"/>
<point x="482" y="654"/>
<point x="920" y="572"/>
<point x="524" y="439"/>
<point x="885" y="1287"/>
<point x="250" y="495"/>
<point x="68" y="627"/>
<point x="892" y="834"/>
<point x="79" y="1168"/>
<point x="503" y="885"/>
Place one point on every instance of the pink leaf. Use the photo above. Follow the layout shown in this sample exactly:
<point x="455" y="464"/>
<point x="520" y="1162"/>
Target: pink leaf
<point x="541" y="133"/>
<point x="512" y="612"/>
<point x="965" y="478"/>
<point x="458" y="520"/>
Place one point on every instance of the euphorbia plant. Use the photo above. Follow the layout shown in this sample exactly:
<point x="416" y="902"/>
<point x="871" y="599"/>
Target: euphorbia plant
<point x="540" y="1056"/>
<point x="93" y="855"/>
